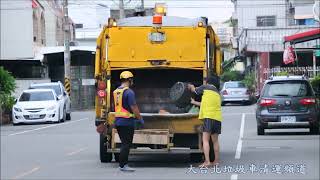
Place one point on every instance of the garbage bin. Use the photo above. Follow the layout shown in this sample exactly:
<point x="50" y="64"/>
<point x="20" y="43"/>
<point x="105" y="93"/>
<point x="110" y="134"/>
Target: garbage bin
<point x="180" y="95"/>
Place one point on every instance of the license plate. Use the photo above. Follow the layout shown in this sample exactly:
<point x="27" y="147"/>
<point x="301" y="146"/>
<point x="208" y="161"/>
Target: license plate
<point x="157" y="37"/>
<point x="288" y="119"/>
<point x="236" y="92"/>
<point x="34" y="116"/>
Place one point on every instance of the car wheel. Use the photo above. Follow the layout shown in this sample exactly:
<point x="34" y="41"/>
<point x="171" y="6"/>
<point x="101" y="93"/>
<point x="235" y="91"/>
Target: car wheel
<point x="68" y="116"/>
<point x="64" y="115"/>
<point x="223" y="104"/>
<point x="104" y="155"/>
<point x="260" y="130"/>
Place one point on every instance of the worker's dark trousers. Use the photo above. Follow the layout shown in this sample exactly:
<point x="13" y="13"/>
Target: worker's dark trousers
<point x="126" y="137"/>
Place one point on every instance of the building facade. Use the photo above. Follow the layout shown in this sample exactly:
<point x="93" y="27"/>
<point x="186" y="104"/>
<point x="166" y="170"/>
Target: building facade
<point x="27" y="26"/>
<point x="261" y="26"/>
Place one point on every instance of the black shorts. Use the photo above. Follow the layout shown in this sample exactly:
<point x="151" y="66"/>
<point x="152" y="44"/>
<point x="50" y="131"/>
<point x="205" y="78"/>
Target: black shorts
<point x="211" y="126"/>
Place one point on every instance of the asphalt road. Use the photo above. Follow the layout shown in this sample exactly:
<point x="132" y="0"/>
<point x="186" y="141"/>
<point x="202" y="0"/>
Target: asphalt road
<point x="70" y="151"/>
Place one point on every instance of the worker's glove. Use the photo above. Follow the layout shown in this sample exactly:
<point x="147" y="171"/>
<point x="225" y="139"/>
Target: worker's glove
<point x="139" y="124"/>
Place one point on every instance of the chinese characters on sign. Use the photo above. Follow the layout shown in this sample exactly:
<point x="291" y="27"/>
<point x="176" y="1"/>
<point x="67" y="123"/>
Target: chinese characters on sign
<point x="251" y="169"/>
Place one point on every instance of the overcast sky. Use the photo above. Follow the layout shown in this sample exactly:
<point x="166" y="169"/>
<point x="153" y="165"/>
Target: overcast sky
<point x="94" y="12"/>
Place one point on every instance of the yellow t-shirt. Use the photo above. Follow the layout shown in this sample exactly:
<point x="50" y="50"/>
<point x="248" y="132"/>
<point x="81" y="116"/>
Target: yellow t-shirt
<point x="211" y="102"/>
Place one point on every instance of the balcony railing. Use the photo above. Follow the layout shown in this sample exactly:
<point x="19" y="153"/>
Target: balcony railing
<point x="308" y="71"/>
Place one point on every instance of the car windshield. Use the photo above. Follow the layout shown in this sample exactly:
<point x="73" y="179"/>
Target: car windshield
<point x="56" y="88"/>
<point x="235" y="85"/>
<point x="36" y="96"/>
<point x="287" y="88"/>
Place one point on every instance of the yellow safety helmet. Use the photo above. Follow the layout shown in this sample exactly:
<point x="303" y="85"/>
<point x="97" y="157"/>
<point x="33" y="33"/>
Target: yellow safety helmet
<point x="126" y="75"/>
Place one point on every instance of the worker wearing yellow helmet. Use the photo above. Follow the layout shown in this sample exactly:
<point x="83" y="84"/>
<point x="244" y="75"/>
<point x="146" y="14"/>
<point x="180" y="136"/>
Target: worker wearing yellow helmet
<point x="127" y="115"/>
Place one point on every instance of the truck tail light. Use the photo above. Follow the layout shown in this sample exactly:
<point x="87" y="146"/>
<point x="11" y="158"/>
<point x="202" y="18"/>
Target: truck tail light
<point x="101" y="93"/>
<point x="267" y="102"/>
<point x="224" y="92"/>
<point x="102" y="85"/>
<point x="308" y="101"/>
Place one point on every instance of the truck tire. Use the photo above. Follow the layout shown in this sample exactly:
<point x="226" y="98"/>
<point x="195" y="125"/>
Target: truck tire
<point x="314" y="130"/>
<point x="105" y="157"/>
<point x="116" y="156"/>
<point x="260" y="130"/>
<point x="196" y="157"/>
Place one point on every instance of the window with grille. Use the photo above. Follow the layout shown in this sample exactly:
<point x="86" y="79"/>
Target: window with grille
<point x="266" y="21"/>
<point x="79" y="26"/>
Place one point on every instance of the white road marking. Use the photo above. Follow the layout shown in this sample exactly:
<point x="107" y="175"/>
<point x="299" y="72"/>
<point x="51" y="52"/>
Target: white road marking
<point x="26" y="173"/>
<point x="239" y="146"/>
<point x="76" y="152"/>
<point x="235" y="114"/>
<point x="268" y="147"/>
<point x="45" y="127"/>
<point x="234" y="176"/>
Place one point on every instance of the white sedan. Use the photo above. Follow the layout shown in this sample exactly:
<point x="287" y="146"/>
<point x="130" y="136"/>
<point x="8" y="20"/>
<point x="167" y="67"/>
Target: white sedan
<point x="37" y="105"/>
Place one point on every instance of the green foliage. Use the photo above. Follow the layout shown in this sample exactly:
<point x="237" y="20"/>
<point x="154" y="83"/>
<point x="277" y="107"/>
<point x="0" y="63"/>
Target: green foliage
<point x="7" y="101"/>
<point x="7" y="87"/>
<point x="231" y="76"/>
<point x="282" y="73"/>
<point x="249" y="81"/>
<point x="316" y="83"/>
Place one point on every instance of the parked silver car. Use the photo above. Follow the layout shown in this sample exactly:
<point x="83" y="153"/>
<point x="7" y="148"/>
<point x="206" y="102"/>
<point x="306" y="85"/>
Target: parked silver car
<point x="64" y="99"/>
<point x="235" y="92"/>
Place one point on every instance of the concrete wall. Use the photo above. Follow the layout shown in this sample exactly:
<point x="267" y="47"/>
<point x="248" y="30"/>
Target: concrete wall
<point x="247" y="12"/>
<point x="16" y="29"/>
<point x="271" y="39"/>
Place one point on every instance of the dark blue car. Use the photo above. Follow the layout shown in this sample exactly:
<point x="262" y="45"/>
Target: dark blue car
<point x="287" y="102"/>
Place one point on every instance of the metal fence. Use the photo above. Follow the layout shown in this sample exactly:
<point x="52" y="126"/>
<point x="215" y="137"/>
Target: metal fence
<point x="308" y="71"/>
<point x="82" y="86"/>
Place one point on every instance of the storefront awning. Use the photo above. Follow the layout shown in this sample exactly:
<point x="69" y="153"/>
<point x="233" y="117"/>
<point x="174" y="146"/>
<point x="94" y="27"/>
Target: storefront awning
<point x="303" y="37"/>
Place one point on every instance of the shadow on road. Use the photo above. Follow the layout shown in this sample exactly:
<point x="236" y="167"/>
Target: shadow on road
<point x="287" y="133"/>
<point x="161" y="160"/>
<point x="238" y="104"/>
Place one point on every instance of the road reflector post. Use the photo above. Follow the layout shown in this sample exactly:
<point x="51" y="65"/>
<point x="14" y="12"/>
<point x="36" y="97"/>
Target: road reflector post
<point x="67" y="85"/>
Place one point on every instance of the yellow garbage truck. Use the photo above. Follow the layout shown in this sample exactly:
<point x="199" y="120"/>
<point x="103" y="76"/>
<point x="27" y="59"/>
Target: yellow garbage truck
<point x="159" y="51"/>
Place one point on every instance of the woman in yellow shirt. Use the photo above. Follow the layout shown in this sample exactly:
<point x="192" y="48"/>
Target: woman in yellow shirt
<point x="211" y="115"/>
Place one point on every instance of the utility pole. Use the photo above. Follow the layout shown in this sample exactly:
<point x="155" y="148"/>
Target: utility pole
<point x="121" y="10"/>
<point x="66" y="26"/>
<point x="142" y="5"/>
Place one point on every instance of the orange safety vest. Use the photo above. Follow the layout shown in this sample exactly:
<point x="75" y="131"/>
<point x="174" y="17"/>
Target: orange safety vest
<point x="120" y="111"/>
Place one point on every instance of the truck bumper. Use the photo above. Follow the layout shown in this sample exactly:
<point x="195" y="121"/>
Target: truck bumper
<point x="172" y="150"/>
